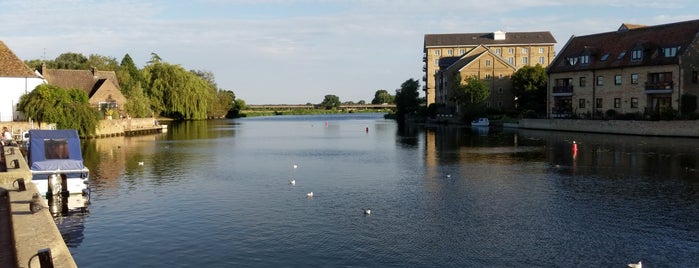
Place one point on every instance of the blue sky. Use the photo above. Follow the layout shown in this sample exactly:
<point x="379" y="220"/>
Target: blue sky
<point x="298" y="51"/>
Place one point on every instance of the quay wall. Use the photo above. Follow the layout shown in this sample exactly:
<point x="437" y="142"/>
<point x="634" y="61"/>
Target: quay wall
<point x="105" y="128"/>
<point x="676" y="128"/>
<point x="32" y="231"/>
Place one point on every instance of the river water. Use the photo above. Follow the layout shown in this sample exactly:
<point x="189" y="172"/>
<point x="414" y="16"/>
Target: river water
<point x="217" y="194"/>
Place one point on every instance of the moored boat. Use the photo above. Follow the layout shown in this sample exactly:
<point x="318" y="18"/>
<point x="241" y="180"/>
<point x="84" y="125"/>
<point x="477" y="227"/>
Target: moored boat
<point x="56" y="164"/>
<point x="480" y="122"/>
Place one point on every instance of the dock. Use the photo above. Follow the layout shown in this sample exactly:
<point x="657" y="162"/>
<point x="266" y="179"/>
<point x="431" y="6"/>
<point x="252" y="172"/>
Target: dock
<point x="28" y="239"/>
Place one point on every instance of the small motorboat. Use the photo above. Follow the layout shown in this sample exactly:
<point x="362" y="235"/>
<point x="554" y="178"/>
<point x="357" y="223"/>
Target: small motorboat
<point x="480" y="122"/>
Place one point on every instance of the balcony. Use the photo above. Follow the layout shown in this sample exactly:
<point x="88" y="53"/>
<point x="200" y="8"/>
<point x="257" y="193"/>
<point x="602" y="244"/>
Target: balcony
<point x="562" y="91"/>
<point x="662" y="87"/>
<point x="424" y="78"/>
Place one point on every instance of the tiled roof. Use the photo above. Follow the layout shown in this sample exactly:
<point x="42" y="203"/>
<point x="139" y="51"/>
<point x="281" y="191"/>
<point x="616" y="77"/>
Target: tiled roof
<point x="614" y="49"/>
<point x="11" y="65"/>
<point x="81" y="79"/>
<point x="488" y="39"/>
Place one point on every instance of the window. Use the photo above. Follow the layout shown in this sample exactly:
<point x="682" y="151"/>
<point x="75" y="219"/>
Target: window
<point x="541" y="50"/>
<point x="511" y="50"/>
<point x="500" y="76"/>
<point x="542" y="60"/>
<point x="498" y="51"/>
<point x="436" y="52"/>
<point x="600" y="80"/>
<point x="634" y="102"/>
<point x="670" y="51"/>
<point x="598" y="103"/>
<point x="585" y="59"/>
<point x="636" y="54"/>
<point x="499" y="103"/>
<point x="450" y="52"/>
<point x="525" y="50"/>
<point x="695" y="77"/>
<point x="487" y="76"/>
<point x="436" y="62"/>
<point x="581" y="103"/>
<point x="500" y="90"/>
<point x="525" y="60"/>
<point x="634" y="78"/>
<point x="462" y="51"/>
<point x="617" y="103"/>
<point x="572" y="60"/>
<point x="621" y="55"/>
<point x="487" y="62"/>
<point x="511" y="60"/>
<point x="617" y="79"/>
<point x="583" y="81"/>
<point x="604" y="57"/>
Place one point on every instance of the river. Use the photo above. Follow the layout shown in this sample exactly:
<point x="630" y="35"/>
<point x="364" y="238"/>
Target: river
<point x="217" y="194"/>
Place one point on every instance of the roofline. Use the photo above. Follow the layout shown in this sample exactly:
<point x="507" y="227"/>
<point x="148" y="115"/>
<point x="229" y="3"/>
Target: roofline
<point x="494" y="45"/>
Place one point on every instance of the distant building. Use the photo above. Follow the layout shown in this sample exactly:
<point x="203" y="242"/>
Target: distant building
<point x="16" y="79"/>
<point x="506" y="52"/>
<point x="102" y="87"/>
<point x="634" y="70"/>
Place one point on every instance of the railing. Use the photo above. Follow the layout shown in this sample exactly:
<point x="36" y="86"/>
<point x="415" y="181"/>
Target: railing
<point x="659" y="85"/>
<point x="562" y="89"/>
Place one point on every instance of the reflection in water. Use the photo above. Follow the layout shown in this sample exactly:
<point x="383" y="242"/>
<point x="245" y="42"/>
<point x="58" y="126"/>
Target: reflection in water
<point x="217" y="194"/>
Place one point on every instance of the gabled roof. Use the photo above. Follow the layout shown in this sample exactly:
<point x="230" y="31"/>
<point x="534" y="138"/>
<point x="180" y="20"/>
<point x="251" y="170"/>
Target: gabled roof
<point x="614" y="49"/>
<point x="11" y="65"/>
<point x="472" y="55"/>
<point x="474" y="39"/>
<point x="88" y="81"/>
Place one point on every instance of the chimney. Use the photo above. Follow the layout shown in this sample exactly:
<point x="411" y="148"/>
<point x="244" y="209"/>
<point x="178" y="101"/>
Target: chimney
<point x="94" y="72"/>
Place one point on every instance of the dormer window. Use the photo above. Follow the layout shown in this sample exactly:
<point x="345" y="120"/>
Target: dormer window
<point x="573" y="60"/>
<point x="584" y="59"/>
<point x="636" y="54"/>
<point x="670" y="52"/>
<point x="604" y="57"/>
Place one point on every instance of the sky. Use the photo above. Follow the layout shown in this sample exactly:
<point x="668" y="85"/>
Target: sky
<point x="298" y="51"/>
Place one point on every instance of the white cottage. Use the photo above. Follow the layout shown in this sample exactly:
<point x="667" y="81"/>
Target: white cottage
<point x="16" y="79"/>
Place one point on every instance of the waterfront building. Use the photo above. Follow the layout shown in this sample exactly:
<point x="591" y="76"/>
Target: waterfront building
<point x="102" y="87"/>
<point x="635" y="71"/>
<point x="505" y="51"/>
<point x="16" y="79"/>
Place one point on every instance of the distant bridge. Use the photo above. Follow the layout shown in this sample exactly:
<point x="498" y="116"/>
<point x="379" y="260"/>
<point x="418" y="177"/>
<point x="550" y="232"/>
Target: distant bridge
<point x="312" y="106"/>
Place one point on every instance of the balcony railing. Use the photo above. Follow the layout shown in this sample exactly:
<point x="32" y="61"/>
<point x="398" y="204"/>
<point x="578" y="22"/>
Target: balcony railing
<point x="562" y="90"/>
<point x="662" y="85"/>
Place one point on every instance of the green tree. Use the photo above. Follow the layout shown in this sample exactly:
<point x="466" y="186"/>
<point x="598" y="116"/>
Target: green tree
<point x="70" y="60"/>
<point x="101" y="63"/>
<point x="69" y="109"/>
<point x="137" y="104"/>
<point x="529" y="84"/>
<point x="382" y="96"/>
<point x="175" y="92"/>
<point x="330" y="102"/>
<point x="222" y="104"/>
<point x="473" y="92"/>
<point x="407" y="98"/>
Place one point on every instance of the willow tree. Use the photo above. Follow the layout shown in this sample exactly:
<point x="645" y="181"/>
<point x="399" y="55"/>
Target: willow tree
<point x="68" y="109"/>
<point x="176" y="92"/>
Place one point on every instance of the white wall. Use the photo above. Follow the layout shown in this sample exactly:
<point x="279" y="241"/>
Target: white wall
<point x="11" y="89"/>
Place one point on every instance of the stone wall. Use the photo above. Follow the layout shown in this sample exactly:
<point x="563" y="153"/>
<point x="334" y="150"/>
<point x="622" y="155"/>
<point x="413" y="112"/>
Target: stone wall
<point x="678" y="128"/>
<point x="105" y="128"/>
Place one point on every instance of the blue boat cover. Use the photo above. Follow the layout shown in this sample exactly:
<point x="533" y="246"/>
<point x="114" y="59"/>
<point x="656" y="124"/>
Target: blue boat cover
<point x="54" y="149"/>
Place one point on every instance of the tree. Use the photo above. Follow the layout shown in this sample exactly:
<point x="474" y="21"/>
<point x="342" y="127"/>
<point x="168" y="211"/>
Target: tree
<point x="69" y="109"/>
<point x="473" y="92"/>
<point x="330" y="101"/>
<point x="223" y="104"/>
<point x="382" y="96"/>
<point x="529" y="84"/>
<point x="175" y="92"/>
<point x="102" y="63"/>
<point x="70" y="60"/>
<point x="407" y="98"/>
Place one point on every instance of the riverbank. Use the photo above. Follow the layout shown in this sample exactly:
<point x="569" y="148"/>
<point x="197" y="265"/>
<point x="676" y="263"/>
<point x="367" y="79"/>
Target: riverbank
<point x="105" y="128"/>
<point x="675" y="128"/>
<point x="31" y="232"/>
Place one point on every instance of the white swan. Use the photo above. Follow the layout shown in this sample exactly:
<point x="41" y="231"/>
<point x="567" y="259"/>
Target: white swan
<point x="367" y="211"/>
<point x="140" y="163"/>
<point x="292" y="182"/>
<point x="296" y="166"/>
<point x="309" y="194"/>
<point x="636" y="265"/>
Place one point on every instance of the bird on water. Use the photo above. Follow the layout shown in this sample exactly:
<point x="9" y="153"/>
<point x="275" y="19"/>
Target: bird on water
<point x="292" y="181"/>
<point x="636" y="265"/>
<point x="309" y="194"/>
